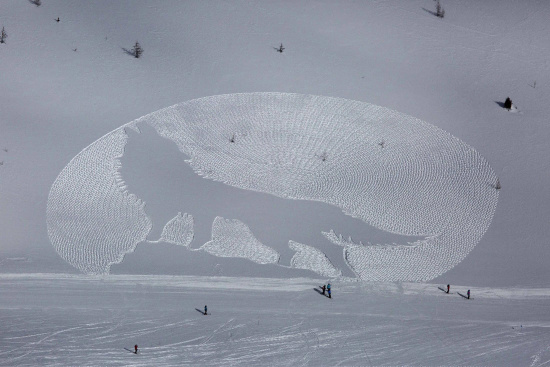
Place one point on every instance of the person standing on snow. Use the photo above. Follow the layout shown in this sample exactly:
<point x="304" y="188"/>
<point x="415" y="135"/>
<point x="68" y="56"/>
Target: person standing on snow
<point x="448" y="288"/>
<point x="135" y="349"/>
<point x="324" y="289"/>
<point x="328" y="290"/>
<point x="205" y="310"/>
<point x="468" y="294"/>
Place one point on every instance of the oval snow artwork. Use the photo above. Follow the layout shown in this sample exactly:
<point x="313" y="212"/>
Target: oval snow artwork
<point x="392" y="171"/>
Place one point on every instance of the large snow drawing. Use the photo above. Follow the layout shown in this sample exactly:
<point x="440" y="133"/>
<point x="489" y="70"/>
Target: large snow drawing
<point x="390" y="170"/>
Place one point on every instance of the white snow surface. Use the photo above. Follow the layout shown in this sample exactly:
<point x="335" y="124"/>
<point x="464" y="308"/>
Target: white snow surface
<point x="66" y="84"/>
<point x="451" y="73"/>
<point x="95" y="321"/>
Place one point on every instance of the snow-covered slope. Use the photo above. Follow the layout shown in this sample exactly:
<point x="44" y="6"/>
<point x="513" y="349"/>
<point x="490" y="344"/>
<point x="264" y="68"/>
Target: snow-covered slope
<point x="67" y="83"/>
<point x="70" y="95"/>
<point x="384" y="168"/>
<point x="266" y="322"/>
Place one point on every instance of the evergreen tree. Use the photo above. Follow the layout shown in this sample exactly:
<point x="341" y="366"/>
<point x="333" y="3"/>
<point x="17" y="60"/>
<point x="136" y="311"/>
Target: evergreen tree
<point x="137" y="50"/>
<point x="439" y="11"/>
<point x="3" y="36"/>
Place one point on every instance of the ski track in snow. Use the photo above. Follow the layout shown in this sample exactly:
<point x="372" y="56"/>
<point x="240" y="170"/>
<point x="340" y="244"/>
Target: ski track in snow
<point x="407" y="324"/>
<point x="388" y="169"/>
<point x="227" y="346"/>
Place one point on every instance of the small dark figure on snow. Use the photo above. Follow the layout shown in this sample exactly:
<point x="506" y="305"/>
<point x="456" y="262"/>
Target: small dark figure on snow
<point x="448" y="288"/>
<point x="328" y="290"/>
<point x="508" y="103"/>
<point x="57" y="20"/>
<point x="280" y="49"/>
<point x="135" y="349"/>
<point x="468" y="294"/>
<point x="324" y="289"/>
<point x="205" y="310"/>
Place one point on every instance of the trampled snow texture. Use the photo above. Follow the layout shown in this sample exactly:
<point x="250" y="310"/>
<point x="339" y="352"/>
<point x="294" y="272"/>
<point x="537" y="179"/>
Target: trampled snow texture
<point x="308" y="257"/>
<point x="63" y="320"/>
<point x="179" y="230"/>
<point x="233" y="238"/>
<point x="391" y="170"/>
<point x="92" y="220"/>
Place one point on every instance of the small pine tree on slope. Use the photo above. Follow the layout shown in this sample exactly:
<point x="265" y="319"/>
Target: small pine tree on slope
<point x="137" y="50"/>
<point x="3" y="36"/>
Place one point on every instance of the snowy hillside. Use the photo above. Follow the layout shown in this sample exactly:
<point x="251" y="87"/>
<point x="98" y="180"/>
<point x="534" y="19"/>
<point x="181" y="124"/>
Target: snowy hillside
<point x="375" y="147"/>
<point x="72" y="81"/>
<point x="384" y="168"/>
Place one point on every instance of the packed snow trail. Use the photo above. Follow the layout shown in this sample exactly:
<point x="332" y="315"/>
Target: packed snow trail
<point x="76" y="320"/>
